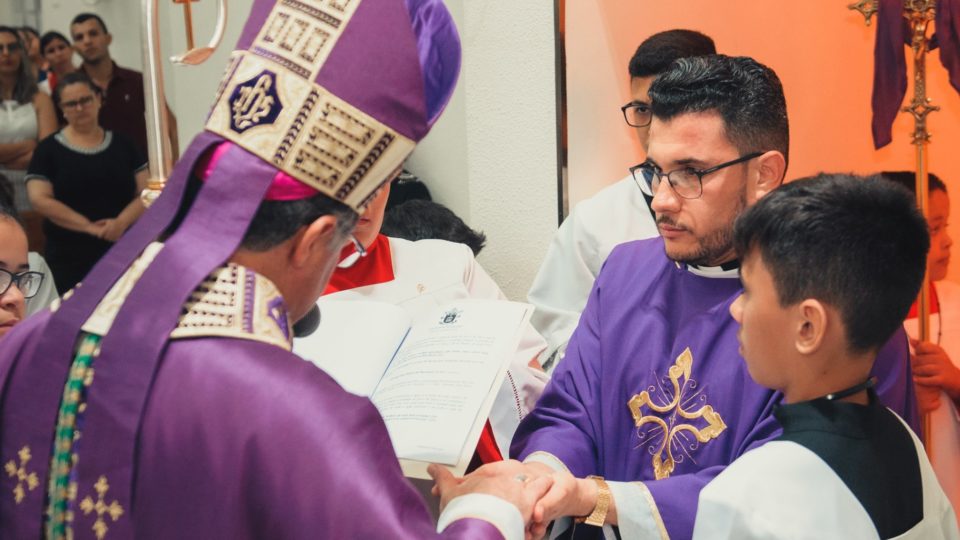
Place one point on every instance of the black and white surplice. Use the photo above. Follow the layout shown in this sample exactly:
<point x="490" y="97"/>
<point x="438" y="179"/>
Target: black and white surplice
<point x="840" y="470"/>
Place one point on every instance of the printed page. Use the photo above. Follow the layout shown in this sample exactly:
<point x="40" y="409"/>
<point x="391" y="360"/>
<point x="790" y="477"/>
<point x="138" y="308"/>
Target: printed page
<point x="355" y="342"/>
<point x="437" y="393"/>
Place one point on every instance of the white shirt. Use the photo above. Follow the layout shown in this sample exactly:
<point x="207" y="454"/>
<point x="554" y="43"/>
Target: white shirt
<point x="616" y="214"/>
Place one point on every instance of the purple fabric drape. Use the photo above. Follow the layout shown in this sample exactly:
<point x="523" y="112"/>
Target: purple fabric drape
<point x="889" y="70"/>
<point x="948" y="36"/>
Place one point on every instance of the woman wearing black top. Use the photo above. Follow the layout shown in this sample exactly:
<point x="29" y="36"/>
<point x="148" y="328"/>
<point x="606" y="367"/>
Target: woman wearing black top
<point x="85" y="181"/>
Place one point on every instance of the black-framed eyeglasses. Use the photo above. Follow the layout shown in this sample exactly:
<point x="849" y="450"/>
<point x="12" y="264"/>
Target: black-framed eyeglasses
<point x="28" y="282"/>
<point x="637" y="114"/>
<point x="359" y="252"/>
<point x="686" y="182"/>
<point x="9" y="48"/>
<point x="77" y="103"/>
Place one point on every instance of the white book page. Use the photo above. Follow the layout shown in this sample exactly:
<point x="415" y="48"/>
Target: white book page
<point x="438" y="391"/>
<point x="355" y="342"/>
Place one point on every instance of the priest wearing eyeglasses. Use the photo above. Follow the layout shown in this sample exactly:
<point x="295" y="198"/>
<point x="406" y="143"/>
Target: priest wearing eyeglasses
<point x="653" y="399"/>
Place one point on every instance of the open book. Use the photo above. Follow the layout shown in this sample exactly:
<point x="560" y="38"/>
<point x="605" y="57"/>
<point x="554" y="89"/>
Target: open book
<point x="433" y="380"/>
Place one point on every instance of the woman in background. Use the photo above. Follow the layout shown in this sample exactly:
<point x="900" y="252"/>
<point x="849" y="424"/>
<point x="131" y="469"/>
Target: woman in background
<point x="935" y="362"/>
<point x="58" y="53"/>
<point x="17" y="281"/>
<point x="26" y="114"/>
<point x="86" y="182"/>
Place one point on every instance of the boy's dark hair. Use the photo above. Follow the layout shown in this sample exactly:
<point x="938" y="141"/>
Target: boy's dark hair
<point x="658" y="51"/>
<point x="418" y="219"/>
<point x="84" y="17"/>
<point x="857" y="244"/>
<point x="747" y="95"/>
<point x="49" y="37"/>
<point x="908" y="179"/>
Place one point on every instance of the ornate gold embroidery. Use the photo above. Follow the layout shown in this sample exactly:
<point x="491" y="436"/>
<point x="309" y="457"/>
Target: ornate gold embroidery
<point x="23" y="476"/>
<point x="669" y="431"/>
<point x="114" y="510"/>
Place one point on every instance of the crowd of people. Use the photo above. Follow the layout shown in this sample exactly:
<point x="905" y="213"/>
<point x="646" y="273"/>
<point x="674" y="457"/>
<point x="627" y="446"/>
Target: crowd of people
<point x="687" y="372"/>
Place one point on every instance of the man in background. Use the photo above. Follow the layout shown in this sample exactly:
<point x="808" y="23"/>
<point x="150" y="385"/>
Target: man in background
<point x="618" y="213"/>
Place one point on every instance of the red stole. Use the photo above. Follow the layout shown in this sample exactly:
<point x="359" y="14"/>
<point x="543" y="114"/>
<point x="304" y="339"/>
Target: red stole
<point x="377" y="267"/>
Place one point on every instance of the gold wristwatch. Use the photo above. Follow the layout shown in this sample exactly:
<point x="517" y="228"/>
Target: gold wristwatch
<point x="599" y="514"/>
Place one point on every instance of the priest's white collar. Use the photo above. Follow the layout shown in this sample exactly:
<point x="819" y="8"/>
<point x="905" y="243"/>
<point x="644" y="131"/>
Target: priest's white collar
<point x="726" y="270"/>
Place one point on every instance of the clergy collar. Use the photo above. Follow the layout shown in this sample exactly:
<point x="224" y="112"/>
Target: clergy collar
<point x="726" y="270"/>
<point x="839" y="417"/>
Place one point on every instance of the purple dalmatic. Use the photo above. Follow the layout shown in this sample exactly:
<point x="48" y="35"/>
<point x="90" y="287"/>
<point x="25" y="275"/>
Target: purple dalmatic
<point x="653" y="389"/>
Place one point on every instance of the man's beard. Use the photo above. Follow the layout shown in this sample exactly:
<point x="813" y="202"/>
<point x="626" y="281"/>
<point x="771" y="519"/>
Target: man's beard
<point x="715" y="245"/>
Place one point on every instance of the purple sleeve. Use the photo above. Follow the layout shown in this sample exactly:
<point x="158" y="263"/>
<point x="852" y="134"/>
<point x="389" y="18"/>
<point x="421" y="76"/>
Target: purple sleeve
<point x="894" y="381"/>
<point x="563" y="422"/>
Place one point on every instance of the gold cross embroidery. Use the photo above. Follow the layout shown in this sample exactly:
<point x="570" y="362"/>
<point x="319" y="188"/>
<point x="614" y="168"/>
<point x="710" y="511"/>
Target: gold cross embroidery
<point x="667" y="425"/>
<point x="114" y="510"/>
<point x="22" y="475"/>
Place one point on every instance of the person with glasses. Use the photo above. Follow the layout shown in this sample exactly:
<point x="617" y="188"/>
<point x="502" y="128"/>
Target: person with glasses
<point x="653" y="398"/>
<point x="86" y="181"/>
<point x="26" y="113"/>
<point x="618" y="213"/>
<point x="420" y="275"/>
<point x="18" y="282"/>
<point x="936" y="362"/>
<point x="165" y="386"/>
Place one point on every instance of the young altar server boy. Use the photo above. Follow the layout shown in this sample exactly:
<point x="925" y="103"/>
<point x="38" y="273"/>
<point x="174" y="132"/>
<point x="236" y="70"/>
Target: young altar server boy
<point x="830" y="267"/>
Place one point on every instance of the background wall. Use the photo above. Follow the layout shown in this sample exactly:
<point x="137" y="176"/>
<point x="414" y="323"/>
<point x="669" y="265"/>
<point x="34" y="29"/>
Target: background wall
<point x="822" y="52"/>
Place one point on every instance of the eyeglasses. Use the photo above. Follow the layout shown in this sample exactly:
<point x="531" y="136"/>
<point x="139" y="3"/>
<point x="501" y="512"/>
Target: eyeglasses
<point x="9" y="48"/>
<point x="77" y="103"/>
<point x="686" y="182"/>
<point x="27" y="282"/>
<point x="358" y="253"/>
<point x="637" y="114"/>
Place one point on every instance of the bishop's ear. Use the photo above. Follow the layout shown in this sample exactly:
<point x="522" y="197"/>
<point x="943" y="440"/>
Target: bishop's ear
<point x="315" y="242"/>
<point x="771" y="166"/>
<point x="812" y="323"/>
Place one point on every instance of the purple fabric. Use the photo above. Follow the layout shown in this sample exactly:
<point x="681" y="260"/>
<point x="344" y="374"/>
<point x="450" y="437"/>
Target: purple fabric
<point x="642" y="313"/>
<point x="243" y="440"/>
<point x="209" y="235"/>
<point x="889" y="69"/>
<point x="44" y="369"/>
<point x="948" y="36"/>
<point x="438" y="45"/>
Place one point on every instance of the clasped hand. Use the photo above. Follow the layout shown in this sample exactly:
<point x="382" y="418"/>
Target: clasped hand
<point x="540" y="493"/>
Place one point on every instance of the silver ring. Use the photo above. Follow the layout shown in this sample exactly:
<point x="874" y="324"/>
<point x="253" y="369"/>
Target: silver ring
<point x="520" y="478"/>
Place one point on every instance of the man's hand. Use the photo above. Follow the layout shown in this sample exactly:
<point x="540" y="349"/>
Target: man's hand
<point x="113" y="229"/>
<point x="504" y="479"/>
<point x="569" y="496"/>
<point x="95" y="228"/>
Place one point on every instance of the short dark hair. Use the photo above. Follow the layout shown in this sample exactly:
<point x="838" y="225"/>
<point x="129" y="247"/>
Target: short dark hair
<point x="747" y="95"/>
<point x="658" y="51"/>
<point x="857" y="244"/>
<point x="277" y="221"/>
<point x="51" y="36"/>
<point x="84" y="17"/>
<point x="74" y="77"/>
<point x="908" y="179"/>
<point x="418" y="219"/>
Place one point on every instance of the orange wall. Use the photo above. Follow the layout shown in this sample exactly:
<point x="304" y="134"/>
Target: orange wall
<point x="822" y="52"/>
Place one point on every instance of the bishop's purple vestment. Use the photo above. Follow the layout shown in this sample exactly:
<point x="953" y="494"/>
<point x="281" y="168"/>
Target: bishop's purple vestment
<point x="653" y="388"/>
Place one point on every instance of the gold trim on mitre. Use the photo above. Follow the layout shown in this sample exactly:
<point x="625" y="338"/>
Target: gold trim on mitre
<point x="269" y="104"/>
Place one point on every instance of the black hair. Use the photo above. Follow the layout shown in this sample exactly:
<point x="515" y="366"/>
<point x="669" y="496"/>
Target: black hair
<point x="84" y="17"/>
<point x="747" y="95"/>
<point x="6" y="192"/>
<point x="30" y="29"/>
<point x="908" y="179"/>
<point x="658" y="51"/>
<point x="418" y="219"/>
<point x="74" y="77"/>
<point x="275" y="221"/>
<point x="26" y="86"/>
<point x="49" y="38"/>
<point x="857" y="244"/>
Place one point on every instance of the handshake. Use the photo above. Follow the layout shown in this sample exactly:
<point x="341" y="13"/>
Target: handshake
<point x="540" y="493"/>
